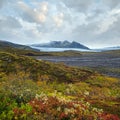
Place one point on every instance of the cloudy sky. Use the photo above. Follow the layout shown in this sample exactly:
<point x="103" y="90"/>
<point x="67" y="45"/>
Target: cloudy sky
<point x="95" y="23"/>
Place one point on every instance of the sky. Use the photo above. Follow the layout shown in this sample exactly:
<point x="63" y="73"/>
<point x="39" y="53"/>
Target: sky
<point x="94" y="23"/>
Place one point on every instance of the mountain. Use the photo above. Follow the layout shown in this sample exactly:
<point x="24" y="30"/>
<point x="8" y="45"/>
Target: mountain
<point x="62" y="44"/>
<point x="6" y="44"/>
<point x="105" y="49"/>
<point x="111" y="48"/>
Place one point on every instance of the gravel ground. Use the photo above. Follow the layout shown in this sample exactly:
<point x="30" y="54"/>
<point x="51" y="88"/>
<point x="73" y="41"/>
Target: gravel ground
<point x="105" y="63"/>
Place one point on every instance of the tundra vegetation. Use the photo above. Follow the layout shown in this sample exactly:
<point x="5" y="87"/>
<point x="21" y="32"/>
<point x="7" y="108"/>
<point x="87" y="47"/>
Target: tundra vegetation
<point x="33" y="89"/>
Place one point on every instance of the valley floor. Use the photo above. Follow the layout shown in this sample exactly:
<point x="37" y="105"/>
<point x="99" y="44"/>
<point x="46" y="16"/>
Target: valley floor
<point x="104" y="63"/>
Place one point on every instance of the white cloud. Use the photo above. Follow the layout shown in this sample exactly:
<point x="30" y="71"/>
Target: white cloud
<point x="115" y="12"/>
<point x="92" y="22"/>
<point x="111" y="3"/>
<point x="44" y="7"/>
<point x="106" y="24"/>
<point x="2" y="3"/>
<point x="58" y="19"/>
<point x="32" y="14"/>
<point x="9" y="22"/>
<point x="79" y="5"/>
<point x="109" y="20"/>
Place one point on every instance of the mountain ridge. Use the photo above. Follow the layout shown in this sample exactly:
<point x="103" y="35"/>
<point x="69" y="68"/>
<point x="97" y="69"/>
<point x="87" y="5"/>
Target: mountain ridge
<point x="62" y="44"/>
<point x="7" y="44"/>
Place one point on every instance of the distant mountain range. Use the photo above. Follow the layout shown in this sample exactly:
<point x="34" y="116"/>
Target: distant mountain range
<point x="54" y="44"/>
<point x="112" y="48"/>
<point x="6" y="44"/>
<point x="107" y="49"/>
<point x="62" y="44"/>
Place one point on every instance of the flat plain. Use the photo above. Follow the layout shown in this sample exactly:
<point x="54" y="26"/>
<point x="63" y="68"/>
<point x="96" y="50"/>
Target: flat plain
<point x="105" y="62"/>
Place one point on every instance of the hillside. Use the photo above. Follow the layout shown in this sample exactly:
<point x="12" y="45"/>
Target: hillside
<point x="28" y="51"/>
<point x="38" y="68"/>
<point x="64" y="44"/>
<point x="6" y="45"/>
<point x="40" y="90"/>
